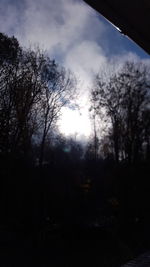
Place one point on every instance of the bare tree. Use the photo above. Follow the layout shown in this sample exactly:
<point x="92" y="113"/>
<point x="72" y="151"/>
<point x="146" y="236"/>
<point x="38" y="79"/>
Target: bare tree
<point x="33" y="90"/>
<point x="20" y="88"/>
<point x="9" y="55"/>
<point x="58" y="90"/>
<point x="124" y="96"/>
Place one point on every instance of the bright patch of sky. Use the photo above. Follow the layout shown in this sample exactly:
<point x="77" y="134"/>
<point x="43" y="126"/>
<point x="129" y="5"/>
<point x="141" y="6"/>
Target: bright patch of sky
<point x="76" y="36"/>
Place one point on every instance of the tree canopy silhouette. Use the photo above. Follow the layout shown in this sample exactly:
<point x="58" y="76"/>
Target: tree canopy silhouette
<point x="33" y="90"/>
<point x="124" y="98"/>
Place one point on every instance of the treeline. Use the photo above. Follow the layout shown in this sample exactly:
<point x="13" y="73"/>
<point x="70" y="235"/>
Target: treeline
<point x="120" y="114"/>
<point x="33" y="90"/>
<point x="47" y="179"/>
<point x="38" y="166"/>
<point x="120" y="102"/>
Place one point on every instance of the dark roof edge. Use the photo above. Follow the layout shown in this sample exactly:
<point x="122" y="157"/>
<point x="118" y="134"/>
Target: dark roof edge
<point x="125" y="28"/>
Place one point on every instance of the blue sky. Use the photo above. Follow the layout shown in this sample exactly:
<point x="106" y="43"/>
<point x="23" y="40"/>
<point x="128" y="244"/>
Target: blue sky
<point x="72" y="33"/>
<point x="61" y="25"/>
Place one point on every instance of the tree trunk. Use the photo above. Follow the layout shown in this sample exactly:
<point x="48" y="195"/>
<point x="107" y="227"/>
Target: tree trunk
<point x="42" y="147"/>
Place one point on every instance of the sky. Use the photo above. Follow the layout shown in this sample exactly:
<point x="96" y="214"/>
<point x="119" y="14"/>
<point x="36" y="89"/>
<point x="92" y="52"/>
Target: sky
<point x="77" y="37"/>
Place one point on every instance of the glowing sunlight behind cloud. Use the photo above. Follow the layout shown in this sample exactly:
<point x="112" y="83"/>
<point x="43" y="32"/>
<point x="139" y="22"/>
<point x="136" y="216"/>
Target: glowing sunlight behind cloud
<point x="75" y="35"/>
<point x="75" y="123"/>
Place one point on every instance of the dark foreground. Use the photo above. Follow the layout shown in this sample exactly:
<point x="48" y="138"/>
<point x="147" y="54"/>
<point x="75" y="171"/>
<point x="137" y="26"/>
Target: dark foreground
<point x="67" y="249"/>
<point x="141" y="261"/>
<point x="56" y="216"/>
<point x="61" y="246"/>
<point x="79" y="228"/>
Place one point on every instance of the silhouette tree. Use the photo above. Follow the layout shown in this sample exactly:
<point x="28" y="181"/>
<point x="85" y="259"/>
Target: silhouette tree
<point x="20" y="87"/>
<point x="33" y="89"/>
<point x="9" y="49"/>
<point x="124" y="96"/>
<point x="9" y="56"/>
<point x="93" y="115"/>
<point x="58" y="90"/>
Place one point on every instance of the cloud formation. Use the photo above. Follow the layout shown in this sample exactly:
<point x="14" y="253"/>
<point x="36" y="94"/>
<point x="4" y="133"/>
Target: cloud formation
<point x="72" y="33"/>
<point x="66" y="28"/>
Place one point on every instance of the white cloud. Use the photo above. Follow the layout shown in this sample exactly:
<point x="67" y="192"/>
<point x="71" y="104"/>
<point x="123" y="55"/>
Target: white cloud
<point x="59" y="22"/>
<point x="86" y="57"/>
<point x="58" y="26"/>
<point x="8" y="18"/>
<point x="69" y="30"/>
